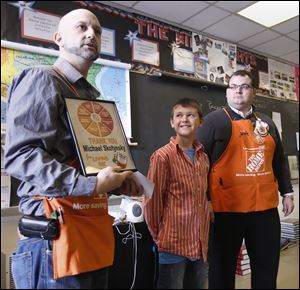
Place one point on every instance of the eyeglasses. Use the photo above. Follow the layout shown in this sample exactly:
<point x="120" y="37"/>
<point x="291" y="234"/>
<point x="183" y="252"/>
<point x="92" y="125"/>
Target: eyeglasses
<point x="244" y="87"/>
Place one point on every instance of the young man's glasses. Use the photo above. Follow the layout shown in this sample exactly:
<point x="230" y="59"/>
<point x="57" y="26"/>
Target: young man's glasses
<point x="243" y="87"/>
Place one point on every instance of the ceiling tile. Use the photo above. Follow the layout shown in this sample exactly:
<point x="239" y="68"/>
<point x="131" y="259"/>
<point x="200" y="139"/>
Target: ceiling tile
<point x="170" y="10"/>
<point x="292" y="57"/>
<point x="279" y="45"/>
<point x="205" y="18"/>
<point x="234" y="28"/>
<point x="294" y="35"/>
<point x="234" y="6"/>
<point x="259" y="38"/>
<point x="287" y="26"/>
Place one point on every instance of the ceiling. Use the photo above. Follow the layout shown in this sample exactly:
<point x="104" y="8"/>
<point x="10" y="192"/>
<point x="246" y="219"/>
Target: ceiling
<point x="219" y="20"/>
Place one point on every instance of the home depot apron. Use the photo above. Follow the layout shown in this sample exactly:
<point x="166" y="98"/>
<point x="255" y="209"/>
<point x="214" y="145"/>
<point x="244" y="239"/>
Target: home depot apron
<point x="242" y="179"/>
<point x="86" y="239"/>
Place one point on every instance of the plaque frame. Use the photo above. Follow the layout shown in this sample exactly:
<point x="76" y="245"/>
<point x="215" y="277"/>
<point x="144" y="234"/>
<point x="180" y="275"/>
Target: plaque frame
<point x="98" y="135"/>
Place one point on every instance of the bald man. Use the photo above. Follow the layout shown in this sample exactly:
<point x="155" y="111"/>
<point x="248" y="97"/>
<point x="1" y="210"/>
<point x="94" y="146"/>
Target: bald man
<point x="79" y="39"/>
<point x="39" y="152"/>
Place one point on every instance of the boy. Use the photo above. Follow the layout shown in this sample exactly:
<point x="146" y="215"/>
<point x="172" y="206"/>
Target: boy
<point x="177" y="214"/>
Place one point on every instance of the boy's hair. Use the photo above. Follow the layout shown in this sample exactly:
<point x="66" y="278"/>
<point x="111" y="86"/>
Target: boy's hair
<point x="243" y="73"/>
<point x="186" y="102"/>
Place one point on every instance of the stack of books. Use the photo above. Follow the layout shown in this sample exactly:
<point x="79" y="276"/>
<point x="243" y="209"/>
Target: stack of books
<point x="290" y="229"/>
<point x="243" y="262"/>
<point x="284" y="243"/>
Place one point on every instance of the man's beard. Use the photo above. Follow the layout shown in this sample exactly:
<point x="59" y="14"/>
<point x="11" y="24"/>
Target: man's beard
<point x="83" y="52"/>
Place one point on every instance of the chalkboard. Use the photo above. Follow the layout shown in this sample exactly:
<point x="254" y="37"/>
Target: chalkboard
<point x="152" y="98"/>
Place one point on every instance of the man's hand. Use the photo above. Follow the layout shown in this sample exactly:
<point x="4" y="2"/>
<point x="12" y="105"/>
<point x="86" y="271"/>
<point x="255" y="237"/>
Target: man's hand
<point x="129" y="187"/>
<point x="110" y="178"/>
<point x="287" y="205"/>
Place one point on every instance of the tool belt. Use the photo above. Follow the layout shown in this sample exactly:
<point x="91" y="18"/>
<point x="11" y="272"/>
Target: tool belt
<point x="39" y="227"/>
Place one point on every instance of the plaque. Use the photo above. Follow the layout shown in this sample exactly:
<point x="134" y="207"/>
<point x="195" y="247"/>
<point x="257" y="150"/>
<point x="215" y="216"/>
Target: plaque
<point x="98" y="135"/>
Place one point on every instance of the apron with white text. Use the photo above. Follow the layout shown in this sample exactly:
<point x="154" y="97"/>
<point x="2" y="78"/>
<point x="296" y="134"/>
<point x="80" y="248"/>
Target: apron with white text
<point x="86" y="239"/>
<point x="242" y="179"/>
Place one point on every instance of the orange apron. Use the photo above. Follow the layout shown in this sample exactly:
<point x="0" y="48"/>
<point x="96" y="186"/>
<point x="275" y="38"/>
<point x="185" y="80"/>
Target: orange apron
<point x="86" y="239"/>
<point x="242" y="179"/>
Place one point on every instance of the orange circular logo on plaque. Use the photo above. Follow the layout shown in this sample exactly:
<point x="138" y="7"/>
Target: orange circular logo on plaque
<point x="95" y="119"/>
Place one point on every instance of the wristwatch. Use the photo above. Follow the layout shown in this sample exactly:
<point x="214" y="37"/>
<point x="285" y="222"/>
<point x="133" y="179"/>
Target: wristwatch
<point x="289" y="196"/>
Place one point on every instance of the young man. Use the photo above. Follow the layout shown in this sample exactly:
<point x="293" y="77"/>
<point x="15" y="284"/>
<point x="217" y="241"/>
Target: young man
<point x="40" y="153"/>
<point x="248" y="168"/>
<point x="177" y="214"/>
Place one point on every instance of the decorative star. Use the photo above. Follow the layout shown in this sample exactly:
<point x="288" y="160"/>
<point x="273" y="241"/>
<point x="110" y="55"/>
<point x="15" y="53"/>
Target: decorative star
<point x="248" y="67"/>
<point x="22" y="5"/>
<point x="131" y="36"/>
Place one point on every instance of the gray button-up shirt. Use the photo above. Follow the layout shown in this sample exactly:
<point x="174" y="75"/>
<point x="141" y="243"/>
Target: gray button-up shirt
<point x="38" y="144"/>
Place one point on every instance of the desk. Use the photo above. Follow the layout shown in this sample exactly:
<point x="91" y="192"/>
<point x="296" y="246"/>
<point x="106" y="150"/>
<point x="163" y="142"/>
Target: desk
<point x="121" y="274"/>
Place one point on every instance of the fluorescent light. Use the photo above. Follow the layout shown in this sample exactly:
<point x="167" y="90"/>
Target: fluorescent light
<point x="270" y="13"/>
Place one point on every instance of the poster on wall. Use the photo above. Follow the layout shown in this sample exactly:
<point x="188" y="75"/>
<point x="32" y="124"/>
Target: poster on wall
<point x="183" y="60"/>
<point x="257" y="65"/>
<point x="145" y="51"/>
<point x="108" y="42"/>
<point x="218" y="58"/>
<point x="39" y="25"/>
<point x="98" y="135"/>
<point x="200" y="68"/>
<point x="282" y="80"/>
